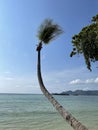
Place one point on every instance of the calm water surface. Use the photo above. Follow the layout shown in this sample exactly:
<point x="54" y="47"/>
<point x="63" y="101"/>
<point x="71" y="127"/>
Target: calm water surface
<point x="34" y="112"/>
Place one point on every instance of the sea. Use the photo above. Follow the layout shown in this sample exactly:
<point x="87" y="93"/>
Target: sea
<point x="35" y="112"/>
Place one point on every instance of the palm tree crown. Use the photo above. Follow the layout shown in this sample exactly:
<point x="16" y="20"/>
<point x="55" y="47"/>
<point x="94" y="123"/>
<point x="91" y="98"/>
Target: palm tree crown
<point x="48" y="31"/>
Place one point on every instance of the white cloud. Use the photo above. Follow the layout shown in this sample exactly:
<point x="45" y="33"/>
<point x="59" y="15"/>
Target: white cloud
<point x="96" y="80"/>
<point x="76" y="81"/>
<point x="87" y="81"/>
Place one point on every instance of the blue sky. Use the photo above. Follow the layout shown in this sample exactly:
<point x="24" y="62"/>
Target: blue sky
<point x="19" y="22"/>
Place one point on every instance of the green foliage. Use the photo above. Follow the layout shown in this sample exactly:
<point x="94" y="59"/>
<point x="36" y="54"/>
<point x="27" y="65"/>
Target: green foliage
<point x="86" y="42"/>
<point x="48" y="31"/>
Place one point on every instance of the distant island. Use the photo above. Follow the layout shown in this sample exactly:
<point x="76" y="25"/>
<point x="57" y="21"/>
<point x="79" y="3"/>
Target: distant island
<point x="79" y="92"/>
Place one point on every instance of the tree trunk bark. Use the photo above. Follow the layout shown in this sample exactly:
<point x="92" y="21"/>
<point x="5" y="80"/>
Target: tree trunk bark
<point x="65" y="114"/>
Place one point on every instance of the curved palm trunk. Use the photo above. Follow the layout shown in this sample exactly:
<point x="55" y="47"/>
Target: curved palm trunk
<point x="65" y="114"/>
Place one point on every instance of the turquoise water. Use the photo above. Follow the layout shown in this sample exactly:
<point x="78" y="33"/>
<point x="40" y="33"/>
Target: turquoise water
<point x="34" y="112"/>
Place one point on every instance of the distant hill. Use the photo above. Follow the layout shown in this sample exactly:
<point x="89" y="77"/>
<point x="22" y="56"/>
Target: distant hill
<point x="79" y="92"/>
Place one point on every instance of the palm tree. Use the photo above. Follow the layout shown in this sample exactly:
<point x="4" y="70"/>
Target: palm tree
<point x="47" y="32"/>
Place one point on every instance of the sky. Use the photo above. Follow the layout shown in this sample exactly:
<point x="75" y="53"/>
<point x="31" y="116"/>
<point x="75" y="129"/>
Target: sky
<point x="19" y="23"/>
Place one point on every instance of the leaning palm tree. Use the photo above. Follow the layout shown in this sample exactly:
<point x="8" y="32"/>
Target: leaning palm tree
<point x="47" y="32"/>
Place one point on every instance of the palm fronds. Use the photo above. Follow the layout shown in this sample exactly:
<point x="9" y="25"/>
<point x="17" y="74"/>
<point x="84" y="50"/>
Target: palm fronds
<point x="48" y="31"/>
